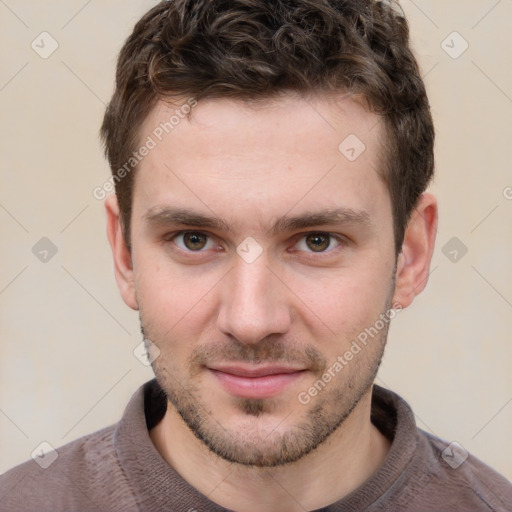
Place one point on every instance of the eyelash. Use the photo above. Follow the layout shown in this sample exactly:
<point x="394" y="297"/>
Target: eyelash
<point x="341" y="241"/>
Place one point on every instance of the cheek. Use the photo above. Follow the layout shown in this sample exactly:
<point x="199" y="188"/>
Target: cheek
<point x="173" y="305"/>
<point x="345" y="300"/>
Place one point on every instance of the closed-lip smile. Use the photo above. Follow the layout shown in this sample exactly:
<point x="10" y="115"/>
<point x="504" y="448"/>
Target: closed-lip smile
<point x="255" y="381"/>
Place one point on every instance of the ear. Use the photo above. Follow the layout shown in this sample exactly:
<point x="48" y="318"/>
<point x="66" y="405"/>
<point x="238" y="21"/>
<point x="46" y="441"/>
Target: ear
<point x="123" y="267"/>
<point x="413" y="263"/>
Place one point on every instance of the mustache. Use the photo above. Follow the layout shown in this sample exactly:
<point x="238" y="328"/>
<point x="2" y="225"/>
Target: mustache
<point x="268" y="350"/>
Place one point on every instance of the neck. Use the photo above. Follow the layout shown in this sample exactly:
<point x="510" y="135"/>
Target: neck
<point x="336" y="468"/>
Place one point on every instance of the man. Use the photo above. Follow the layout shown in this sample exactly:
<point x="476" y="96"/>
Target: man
<point x="270" y="219"/>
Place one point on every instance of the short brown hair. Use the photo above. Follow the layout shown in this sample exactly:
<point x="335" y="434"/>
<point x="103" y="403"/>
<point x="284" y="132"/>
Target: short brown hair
<point x="257" y="49"/>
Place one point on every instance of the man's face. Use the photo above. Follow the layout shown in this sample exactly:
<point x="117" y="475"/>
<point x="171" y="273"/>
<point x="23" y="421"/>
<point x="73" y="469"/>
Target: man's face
<point x="246" y="326"/>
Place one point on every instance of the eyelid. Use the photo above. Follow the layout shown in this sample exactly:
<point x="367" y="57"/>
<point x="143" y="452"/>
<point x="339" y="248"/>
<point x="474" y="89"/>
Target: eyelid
<point x="170" y="237"/>
<point x="298" y="237"/>
<point x="333" y="236"/>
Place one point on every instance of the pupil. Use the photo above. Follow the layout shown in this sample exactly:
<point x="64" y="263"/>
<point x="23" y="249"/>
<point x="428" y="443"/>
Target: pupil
<point x="319" y="242"/>
<point x="194" y="241"/>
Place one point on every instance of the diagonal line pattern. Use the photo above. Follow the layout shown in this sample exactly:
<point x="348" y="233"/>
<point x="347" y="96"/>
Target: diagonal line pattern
<point x="83" y="7"/>
<point x="423" y="422"/>
<point x="221" y="426"/>
<point x="14" y="218"/>
<point x="486" y="14"/>
<point x="191" y="190"/>
<point x="217" y="486"/>
<point x="14" y="76"/>
<point x="13" y="279"/>
<point x="15" y="424"/>
<point x="280" y="423"/>
<point x="431" y="69"/>
<point x="74" y="218"/>
<point x="314" y="185"/>
<point x="492" y="418"/>
<point x="286" y="490"/>
<point x="13" y="13"/>
<point x="109" y="390"/>
<point x="300" y="199"/>
<point x="424" y="14"/>
<point x="300" y="300"/>
<point x="415" y="415"/>
<point x="286" y="213"/>
<point x="492" y="81"/>
<point x="95" y="300"/>
<point x="199" y="300"/>
<point x="192" y="398"/>
<point x="209" y="414"/>
<point x="494" y="288"/>
<point x="76" y="14"/>
<point x="331" y="126"/>
<point x="72" y="72"/>
<point x="485" y="218"/>
<point x="286" y="417"/>
<point x="379" y="121"/>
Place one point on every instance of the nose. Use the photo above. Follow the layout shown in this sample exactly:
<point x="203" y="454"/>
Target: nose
<point x="254" y="302"/>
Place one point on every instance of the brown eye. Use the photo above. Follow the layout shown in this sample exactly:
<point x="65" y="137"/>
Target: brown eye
<point x="318" y="242"/>
<point x="191" y="240"/>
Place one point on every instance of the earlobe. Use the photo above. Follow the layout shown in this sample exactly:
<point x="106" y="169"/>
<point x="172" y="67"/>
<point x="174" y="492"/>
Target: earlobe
<point x="123" y="267"/>
<point x="413" y="263"/>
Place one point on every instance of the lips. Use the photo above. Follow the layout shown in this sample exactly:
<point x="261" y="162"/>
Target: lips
<point x="250" y="381"/>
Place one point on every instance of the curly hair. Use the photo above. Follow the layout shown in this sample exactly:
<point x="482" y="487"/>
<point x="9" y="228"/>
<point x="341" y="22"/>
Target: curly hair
<point x="254" y="50"/>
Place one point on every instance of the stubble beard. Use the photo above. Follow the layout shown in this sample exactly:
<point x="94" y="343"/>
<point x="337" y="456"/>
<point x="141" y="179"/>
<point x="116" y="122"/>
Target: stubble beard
<point x="249" y="446"/>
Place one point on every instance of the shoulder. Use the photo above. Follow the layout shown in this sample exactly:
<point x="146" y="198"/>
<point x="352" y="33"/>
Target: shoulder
<point x="82" y="475"/>
<point x="427" y="473"/>
<point x="454" y="479"/>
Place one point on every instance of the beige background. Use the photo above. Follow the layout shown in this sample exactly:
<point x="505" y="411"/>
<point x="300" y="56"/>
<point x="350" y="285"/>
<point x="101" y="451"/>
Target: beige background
<point x="66" y="337"/>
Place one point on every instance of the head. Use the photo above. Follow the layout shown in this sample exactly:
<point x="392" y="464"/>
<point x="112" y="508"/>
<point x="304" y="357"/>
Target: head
<point x="270" y="209"/>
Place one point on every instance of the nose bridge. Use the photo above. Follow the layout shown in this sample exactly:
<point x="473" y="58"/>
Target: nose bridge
<point x="251" y="283"/>
<point x="254" y="303"/>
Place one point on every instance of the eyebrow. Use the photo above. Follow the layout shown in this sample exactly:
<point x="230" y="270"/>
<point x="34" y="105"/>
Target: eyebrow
<point x="166" y="215"/>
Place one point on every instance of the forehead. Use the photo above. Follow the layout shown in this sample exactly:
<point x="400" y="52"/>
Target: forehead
<point x="295" y="118"/>
<point x="261" y="160"/>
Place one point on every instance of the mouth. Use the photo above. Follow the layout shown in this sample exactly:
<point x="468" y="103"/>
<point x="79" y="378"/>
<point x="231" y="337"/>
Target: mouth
<point x="255" y="381"/>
